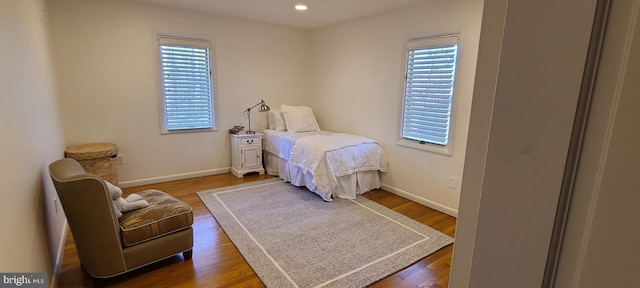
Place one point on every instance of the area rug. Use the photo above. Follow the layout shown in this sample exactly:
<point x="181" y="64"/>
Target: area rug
<point x="292" y="238"/>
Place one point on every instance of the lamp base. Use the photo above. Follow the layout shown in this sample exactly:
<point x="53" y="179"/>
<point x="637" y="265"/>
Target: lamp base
<point x="250" y="132"/>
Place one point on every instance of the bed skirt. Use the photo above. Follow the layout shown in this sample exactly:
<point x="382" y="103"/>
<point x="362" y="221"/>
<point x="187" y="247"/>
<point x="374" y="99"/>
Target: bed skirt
<point x="347" y="186"/>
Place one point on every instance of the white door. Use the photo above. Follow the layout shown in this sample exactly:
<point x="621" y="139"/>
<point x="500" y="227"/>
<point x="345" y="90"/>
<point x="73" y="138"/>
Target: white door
<point x="251" y="157"/>
<point x="602" y="235"/>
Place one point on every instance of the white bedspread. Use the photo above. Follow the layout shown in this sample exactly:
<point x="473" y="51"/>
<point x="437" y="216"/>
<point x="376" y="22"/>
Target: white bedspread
<point x="327" y="156"/>
<point x="281" y="143"/>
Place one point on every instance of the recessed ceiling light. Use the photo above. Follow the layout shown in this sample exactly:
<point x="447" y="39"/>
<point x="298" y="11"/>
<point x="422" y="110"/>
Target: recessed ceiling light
<point x="301" y="7"/>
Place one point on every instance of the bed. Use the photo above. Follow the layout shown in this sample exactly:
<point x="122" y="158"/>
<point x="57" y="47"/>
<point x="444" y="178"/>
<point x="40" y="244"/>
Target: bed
<point x="332" y="165"/>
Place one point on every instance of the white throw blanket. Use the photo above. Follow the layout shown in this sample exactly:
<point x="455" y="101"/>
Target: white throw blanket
<point x="329" y="156"/>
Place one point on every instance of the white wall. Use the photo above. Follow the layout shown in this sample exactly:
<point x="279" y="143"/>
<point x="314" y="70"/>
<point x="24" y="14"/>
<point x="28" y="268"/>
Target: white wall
<point x="357" y="80"/>
<point x="523" y="112"/>
<point x="32" y="138"/>
<point x="109" y="81"/>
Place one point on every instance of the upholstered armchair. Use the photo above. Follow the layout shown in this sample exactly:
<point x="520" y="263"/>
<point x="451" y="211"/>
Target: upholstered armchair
<point x="108" y="246"/>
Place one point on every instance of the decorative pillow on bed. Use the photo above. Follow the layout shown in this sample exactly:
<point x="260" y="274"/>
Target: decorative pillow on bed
<point x="299" y="118"/>
<point x="276" y="120"/>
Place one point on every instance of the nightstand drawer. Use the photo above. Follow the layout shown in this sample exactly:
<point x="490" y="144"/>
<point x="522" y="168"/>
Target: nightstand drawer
<point x="251" y="141"/>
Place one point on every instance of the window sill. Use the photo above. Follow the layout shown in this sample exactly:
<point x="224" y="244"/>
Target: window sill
<point x="183" y="131"/>
<point x="443" y="150"/>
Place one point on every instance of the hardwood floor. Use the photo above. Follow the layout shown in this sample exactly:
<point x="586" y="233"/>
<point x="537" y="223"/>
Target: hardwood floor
<point x="217" y="263"/>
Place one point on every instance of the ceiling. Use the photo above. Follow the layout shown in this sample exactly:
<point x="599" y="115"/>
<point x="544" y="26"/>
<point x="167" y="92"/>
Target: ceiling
<point x="320" y="12"/>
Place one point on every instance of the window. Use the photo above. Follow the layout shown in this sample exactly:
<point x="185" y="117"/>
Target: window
<point x="428" y="92"/>
<point x="187" y="90"/>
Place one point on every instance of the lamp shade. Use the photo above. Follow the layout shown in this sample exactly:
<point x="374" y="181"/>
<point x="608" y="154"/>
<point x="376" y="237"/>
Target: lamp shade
<point x="263" y="107"/>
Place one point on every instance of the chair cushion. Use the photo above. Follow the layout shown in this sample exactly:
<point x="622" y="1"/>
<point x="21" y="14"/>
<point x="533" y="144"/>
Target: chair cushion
<point x="164" y="215"/>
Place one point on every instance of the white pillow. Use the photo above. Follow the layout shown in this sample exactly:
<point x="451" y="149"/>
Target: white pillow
<point x="299" y="118"/>
<point x="276" y="120"/>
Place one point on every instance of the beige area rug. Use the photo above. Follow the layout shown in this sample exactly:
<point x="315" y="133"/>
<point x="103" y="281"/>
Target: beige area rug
<point x="292" y="238"/>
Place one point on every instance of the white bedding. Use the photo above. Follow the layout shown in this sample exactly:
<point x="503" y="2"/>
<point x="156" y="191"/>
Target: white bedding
<point x="329" y="164"/>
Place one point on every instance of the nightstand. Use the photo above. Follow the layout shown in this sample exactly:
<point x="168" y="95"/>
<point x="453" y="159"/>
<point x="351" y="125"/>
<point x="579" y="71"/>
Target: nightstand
<point x="246" y="154"/>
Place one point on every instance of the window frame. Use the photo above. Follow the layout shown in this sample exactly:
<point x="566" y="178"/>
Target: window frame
<point x="167" y="40"/>
<point x="425" y="42"/>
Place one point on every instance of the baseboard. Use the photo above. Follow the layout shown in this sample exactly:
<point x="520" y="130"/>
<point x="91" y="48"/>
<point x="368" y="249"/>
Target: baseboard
<point x="57" y="267"/>
<point x="394" y="190"/>
<point x="420" y="200"/>
<point x="173" y="177"/>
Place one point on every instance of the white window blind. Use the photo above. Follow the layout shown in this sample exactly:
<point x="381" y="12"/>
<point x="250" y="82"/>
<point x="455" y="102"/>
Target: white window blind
<point x="186" y="83"/>
<point x="429" y="87"/>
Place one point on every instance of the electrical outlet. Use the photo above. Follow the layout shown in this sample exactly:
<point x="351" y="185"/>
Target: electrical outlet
<point x="453" y="182"/>
<point x="120" y="159"/>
